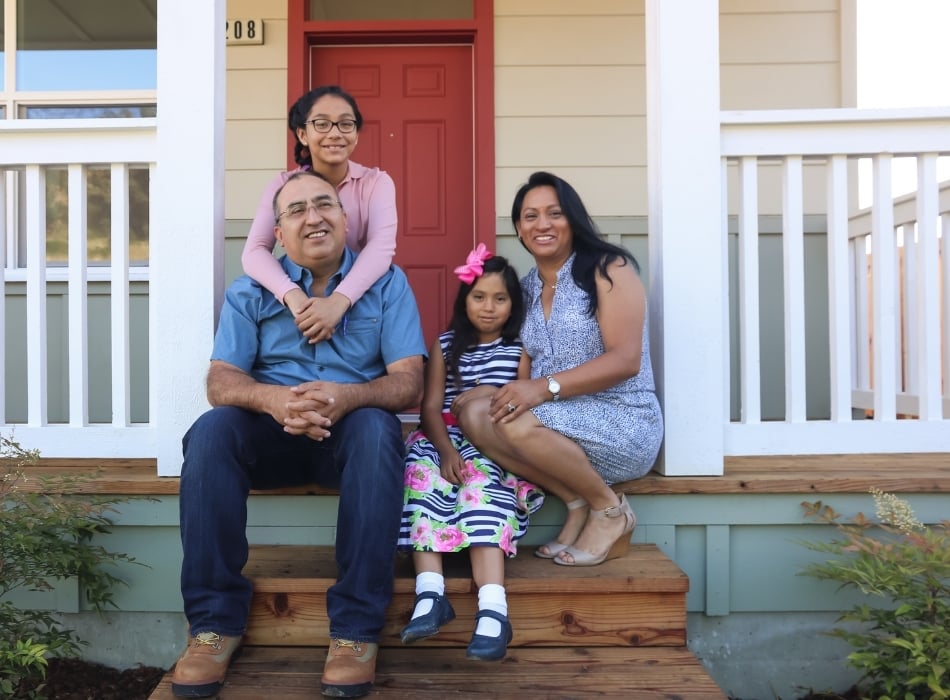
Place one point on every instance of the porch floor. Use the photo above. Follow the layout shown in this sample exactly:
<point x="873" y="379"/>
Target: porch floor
<point x="894" y="473"/>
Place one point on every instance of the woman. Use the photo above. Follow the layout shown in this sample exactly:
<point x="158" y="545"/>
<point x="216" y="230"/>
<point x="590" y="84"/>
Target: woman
<point x="326" y="123"/>
<point x="588" y="417"/>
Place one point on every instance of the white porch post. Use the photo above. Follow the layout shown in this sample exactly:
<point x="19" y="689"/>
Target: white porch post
<point x="687" y="278"/>
<point x="187" y="214"/>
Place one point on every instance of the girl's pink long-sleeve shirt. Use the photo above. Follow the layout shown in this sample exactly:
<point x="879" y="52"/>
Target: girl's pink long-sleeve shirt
<point x="368" y="196"/>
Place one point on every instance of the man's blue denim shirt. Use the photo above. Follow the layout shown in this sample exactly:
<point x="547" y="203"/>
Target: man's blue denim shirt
<point x="257" y="333"/>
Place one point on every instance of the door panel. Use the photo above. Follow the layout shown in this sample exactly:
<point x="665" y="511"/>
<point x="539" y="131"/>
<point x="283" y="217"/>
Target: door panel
<point x="417" y="108"/>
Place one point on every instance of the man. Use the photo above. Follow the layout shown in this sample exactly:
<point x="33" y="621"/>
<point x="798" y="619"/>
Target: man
<point x="287" y="412"/>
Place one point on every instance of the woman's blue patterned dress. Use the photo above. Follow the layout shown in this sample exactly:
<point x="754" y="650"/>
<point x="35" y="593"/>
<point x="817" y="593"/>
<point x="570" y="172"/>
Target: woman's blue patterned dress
<point x="621" y="428"/>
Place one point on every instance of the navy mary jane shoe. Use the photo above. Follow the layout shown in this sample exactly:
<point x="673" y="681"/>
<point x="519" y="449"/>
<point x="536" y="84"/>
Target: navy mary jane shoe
<point x="428" y="625"/>
<point x="485" y="648"/>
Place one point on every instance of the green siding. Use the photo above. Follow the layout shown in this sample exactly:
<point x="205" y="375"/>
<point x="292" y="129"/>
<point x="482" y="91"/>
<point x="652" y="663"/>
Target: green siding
<point x="742" y="552"/>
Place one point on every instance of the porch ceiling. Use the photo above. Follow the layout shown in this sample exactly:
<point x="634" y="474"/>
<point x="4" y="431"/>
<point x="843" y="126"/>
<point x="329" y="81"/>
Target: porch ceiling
<point x="91" y="24"/>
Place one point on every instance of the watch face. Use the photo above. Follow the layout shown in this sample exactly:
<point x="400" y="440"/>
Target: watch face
<point x="553" y="386"/>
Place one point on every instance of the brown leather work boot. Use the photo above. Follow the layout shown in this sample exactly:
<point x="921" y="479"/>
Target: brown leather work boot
<point x="350" y="669"/>
<point x="200" y="670"/>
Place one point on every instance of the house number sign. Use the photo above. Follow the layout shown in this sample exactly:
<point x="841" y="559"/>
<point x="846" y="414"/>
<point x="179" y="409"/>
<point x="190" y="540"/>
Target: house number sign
<point x="244" y="31"/>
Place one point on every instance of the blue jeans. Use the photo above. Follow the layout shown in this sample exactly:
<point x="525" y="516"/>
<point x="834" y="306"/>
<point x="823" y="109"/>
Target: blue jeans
<point x="229" y="451"/>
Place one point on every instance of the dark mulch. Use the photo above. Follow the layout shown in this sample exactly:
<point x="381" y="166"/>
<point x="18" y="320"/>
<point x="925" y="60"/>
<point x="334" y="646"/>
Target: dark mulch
<point x="74" y="679"/>
<point x="851" y="693"/>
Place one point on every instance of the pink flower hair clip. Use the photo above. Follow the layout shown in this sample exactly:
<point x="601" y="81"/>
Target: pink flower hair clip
<point x="474" y="264"/>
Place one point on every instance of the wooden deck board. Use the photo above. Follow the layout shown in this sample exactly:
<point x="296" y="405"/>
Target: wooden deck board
<point x="434" y="674"/>
<point x="809" y="474"/>
<point x="305" y="568"/>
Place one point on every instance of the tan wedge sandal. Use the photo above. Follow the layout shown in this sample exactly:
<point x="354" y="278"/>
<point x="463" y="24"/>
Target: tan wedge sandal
<point x="617" y="548"/>
<point x="551" y="549"/>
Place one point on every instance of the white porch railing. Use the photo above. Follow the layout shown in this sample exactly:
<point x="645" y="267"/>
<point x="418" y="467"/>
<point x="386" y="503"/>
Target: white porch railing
<point x="888" y="281"/>
<point x="923" y="272"/>
<point x="888" y="292"/>
<point x="27" y="149"/>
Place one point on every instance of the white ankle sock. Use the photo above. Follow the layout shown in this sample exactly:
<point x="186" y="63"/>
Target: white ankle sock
<point x="491" y="596"/>
<point x="426" y="582"/>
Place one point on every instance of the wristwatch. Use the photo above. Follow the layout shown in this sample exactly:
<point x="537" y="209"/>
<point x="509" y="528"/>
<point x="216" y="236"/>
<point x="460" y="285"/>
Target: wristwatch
<point x="554" y="387"/>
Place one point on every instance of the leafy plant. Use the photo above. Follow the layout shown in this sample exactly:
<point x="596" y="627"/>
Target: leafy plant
<point x="46" y="534"/>
<point x="902" y="644"/>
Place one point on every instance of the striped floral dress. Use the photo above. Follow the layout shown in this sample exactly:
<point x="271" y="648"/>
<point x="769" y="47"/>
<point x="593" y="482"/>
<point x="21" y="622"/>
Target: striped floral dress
<point x="491" y="506"/>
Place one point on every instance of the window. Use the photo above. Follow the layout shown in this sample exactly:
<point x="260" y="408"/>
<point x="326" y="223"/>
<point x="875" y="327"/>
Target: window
<point x="87" y="45"/>
<point x="389" y="9"/>
<point x="98" y="216"/>
<point x="78" y="59"/>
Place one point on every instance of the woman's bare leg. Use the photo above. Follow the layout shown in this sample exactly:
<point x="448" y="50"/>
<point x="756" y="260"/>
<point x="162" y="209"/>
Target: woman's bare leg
<point x="548" y="458"/>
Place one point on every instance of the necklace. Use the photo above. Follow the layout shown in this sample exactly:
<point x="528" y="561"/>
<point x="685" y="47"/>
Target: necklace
<point x="545" y="284"/>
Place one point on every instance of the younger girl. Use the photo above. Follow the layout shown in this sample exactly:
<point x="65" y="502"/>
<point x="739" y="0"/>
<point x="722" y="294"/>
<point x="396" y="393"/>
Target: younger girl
<point x="455" y="497"/>
<point x="326" y="124"/>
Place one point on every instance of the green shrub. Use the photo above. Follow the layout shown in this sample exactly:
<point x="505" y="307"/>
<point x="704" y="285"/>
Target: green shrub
<point x="902" y="642"/>
<point x="46" y="535"/>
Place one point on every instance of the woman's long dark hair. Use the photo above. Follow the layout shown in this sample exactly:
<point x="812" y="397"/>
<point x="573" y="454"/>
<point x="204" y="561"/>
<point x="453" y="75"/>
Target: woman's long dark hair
<point x="593" y="253"/>
<point x="297" y="116"/>
<point x="464" y="333"/>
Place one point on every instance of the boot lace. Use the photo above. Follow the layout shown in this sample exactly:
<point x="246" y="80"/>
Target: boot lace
<point x="346" y="643"/>
<point x="208" y="639"/>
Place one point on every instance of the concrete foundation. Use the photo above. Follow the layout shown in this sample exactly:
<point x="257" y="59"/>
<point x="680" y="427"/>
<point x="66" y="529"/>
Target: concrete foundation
<point x="771" y="656"/>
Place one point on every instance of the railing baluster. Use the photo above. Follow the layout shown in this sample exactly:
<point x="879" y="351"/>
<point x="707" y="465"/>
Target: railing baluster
<point x="793" y="259"/>
<point x="927" y="280"/>
<point x="36" y="375"/>
<point x="3" y="291"/>
<point x="119" y="275"/>
<point x="861" y="314"/>
<point x="906" y="341"/>
<point x="883" y="286"/>
<point x="839" y="300"/>
<point x="78" y="303"/>
<point x="945" y="304"/>
<point x="727" y="337"/>
<point x="748" y="256"/>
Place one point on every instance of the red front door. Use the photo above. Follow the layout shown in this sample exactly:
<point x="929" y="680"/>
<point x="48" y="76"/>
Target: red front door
<point x="417" y="110"/>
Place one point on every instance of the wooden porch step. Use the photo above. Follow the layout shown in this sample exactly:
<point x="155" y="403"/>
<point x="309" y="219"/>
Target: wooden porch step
<point x="637" y="600"/>
<point x="645" y="673"/>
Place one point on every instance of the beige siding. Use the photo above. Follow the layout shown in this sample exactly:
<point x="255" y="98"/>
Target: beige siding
<point x="571" y="8"/>
<point x="570" y="41"/>
<point x="775" y="6"/>
<point x="256" y="108"/>
<point x="577" y="141"/>
<point x="524" y="91"/>
<point x="618" y="191"/>
<point x="780" y="55"/>
<point x="802" y="86"/>
<point x="570" y="98"/>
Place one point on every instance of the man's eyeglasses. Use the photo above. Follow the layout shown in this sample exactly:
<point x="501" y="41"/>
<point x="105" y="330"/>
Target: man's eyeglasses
<point x="322" y="126"/>
<point x="297" y="210"/>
